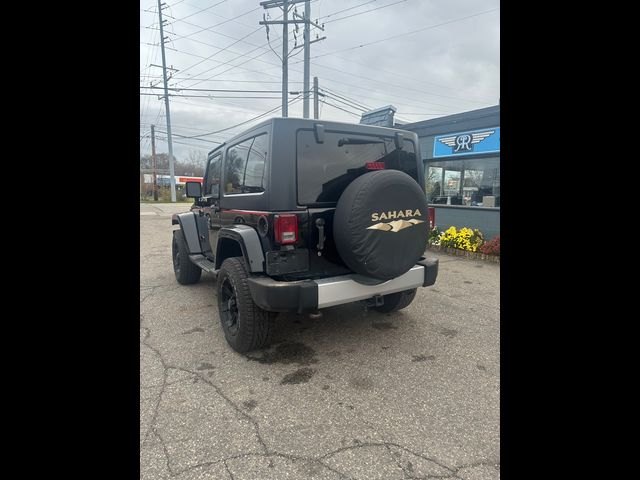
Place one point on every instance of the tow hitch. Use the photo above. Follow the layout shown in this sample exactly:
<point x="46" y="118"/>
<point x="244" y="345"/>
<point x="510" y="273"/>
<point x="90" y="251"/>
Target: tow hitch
<point x="375" y="301"/>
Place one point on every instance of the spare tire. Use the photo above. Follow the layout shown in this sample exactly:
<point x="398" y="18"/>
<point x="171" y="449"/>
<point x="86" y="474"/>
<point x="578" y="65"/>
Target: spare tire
<point x="381" y="225"/>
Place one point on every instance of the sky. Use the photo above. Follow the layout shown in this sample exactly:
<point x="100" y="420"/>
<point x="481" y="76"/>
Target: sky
<point x="369" y="59"/>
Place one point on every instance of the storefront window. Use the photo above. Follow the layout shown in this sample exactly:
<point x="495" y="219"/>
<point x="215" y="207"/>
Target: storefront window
<point x="433" y="181"/>
<point x="471" y="182"/>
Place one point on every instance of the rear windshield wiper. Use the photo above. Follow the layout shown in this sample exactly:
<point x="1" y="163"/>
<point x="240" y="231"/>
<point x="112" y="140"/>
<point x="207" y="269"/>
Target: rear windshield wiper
<point x="356" y="141"/>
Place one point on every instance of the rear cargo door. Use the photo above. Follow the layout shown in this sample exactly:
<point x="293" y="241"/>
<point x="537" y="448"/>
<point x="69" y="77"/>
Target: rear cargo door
<point x="325" y="169"/>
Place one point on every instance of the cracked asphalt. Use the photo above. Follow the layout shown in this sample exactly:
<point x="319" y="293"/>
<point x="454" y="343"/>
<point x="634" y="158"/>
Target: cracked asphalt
<point x="352" y="395"/>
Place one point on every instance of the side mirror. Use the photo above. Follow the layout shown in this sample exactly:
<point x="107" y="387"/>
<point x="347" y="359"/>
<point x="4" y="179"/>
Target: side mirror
<point x="193" y="189"/>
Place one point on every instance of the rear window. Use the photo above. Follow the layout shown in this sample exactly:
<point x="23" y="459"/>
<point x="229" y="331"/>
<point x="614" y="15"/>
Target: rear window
<point x="326" y="169"/>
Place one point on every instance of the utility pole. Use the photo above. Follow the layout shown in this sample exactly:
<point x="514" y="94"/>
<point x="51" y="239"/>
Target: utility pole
<point x="166" y="105"/>
<point x="307" y="53"/>
<point x="285" y="58"/>
<point x="153" y="156"/>
<point x="306" y="19"/>
<point x="315" y="97"/>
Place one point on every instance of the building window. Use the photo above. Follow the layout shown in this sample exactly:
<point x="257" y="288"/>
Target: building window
<point x="472" y="182"/>
<point x="244" y="166"/>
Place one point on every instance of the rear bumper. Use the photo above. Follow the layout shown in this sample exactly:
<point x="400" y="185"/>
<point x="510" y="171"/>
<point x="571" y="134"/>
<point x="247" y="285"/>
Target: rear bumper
<point x="309" y="295"/>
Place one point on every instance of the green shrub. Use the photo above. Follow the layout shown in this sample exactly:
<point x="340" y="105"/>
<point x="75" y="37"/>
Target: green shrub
<point x="434" y="236"/>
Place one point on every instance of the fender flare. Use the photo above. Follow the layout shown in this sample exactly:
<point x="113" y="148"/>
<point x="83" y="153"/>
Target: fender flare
<point x="249" y="243"/>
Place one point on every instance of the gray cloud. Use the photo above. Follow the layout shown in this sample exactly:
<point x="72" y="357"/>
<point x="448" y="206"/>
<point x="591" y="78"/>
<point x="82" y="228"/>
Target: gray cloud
<point x="446" y="69"/>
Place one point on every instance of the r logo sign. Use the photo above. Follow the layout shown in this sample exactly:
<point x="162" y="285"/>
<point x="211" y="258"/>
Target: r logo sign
<point x="463" y="142"/>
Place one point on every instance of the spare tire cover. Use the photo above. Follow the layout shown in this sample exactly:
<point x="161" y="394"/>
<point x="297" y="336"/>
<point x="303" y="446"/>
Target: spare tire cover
<point x="381" y="224"/>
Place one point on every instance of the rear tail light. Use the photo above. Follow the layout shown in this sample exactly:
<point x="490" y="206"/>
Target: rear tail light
<point x="286" y="229"/>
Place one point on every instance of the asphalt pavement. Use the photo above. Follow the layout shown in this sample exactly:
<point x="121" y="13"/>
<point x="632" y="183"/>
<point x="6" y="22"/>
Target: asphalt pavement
<point x="355" y="394"/>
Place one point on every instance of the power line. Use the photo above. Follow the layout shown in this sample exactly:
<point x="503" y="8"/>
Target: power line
<point x="223" y="49"/>
<point x="239" y="55"/>
<point x="184" y="136"/>
<point x="411" y="32"/>
<point x="200" y="80"/>
<point x="233" y="66"/>
<point x="226" y="19"/>
<point x="350" y="105"/>
<point x="246" y="121"/>
<point x="229" y="61"/>
<point x="385" y="96"/>
<point x="263" y="47"/>
<point x="222" y="64"/>
<point x="331" y="80"/>
<point x="230" y="80"/>
<point x="223" y="34"/>
<point x="377" y="69"/>
<point x="382" y="82"/>
<point x="357" y="76"/>
<point x="192" y="102"/>
<point x="202" y="10"/>
<point x="347" y="9"/>
<point x="340" y="108"/>
<point x="180" y="37"/>
<point x="187" y="144"/>
<point x="366" y="11"/>
<point x="360" y="106"/>
<point x="214" y="90"/>
<point x="212" y="97"/>
<point x="286" y="5"/>
<point x="206" y="103"/>
<point x="373" y="93"/>
<point x="152" y="51"/>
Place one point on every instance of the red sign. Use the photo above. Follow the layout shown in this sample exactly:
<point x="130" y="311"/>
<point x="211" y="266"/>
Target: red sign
<point x="190" y="179"/>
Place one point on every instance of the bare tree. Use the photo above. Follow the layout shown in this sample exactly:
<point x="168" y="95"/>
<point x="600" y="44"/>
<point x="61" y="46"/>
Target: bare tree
<point x="194" y="164"/>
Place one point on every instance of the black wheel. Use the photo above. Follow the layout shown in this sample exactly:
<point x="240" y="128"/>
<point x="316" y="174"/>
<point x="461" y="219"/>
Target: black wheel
<point x="246" y="326"/>
<point x="397" y="301"/>
<point x="186" y="271"/>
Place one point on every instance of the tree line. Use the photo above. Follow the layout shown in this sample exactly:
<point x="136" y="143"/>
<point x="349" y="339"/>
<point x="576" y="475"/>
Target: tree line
<point x="194" y="165"/>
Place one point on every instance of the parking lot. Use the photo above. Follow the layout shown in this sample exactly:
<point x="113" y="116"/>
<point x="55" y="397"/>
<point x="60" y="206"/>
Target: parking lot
<point x="354" y="394"/>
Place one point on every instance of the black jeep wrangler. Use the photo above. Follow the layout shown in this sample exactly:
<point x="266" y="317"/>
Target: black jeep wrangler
<point x="296" y="215"/>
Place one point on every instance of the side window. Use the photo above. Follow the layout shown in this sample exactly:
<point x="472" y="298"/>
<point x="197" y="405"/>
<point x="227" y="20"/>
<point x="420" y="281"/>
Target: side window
<point x="244" y="167"/>
<point x="254" y="172"/>
<point x="213" y="176"/>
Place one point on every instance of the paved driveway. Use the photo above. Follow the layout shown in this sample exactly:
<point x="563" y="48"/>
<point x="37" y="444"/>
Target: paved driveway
<point x="355" y="394"/>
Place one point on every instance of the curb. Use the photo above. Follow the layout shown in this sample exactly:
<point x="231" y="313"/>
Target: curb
<point x="456" y="252"/>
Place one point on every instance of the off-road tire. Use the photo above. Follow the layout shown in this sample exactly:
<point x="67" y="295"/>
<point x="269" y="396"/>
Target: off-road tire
<point x="186" y="271"/>
<point x="397" y="301"/>
<point x="254" y="325"/>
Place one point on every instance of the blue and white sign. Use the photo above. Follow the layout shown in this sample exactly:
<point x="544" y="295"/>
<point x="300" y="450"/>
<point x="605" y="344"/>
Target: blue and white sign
<point x="473" y="142"/>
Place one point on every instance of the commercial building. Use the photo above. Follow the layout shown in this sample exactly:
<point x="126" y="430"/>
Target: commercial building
<point x="462" y="168"/>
